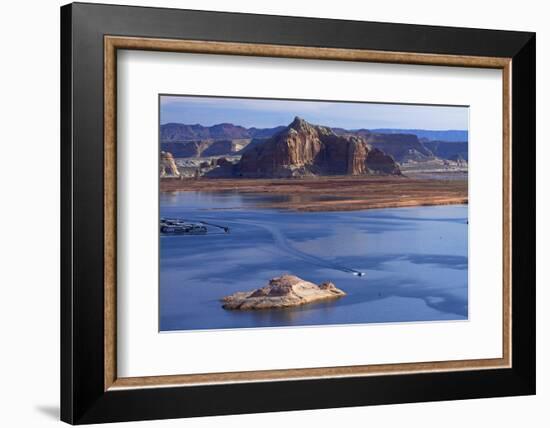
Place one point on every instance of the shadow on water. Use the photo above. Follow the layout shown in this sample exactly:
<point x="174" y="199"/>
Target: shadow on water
<point x="451" y="262"/>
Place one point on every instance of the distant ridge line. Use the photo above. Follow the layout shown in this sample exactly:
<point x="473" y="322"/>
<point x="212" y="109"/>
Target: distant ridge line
<point x="179" y="132"/>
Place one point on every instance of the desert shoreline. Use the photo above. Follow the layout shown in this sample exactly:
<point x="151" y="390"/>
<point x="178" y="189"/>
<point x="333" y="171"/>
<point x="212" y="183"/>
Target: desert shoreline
<point x="335" y="193"/>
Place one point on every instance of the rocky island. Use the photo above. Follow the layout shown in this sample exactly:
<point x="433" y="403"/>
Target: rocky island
<point x="282" y="292"/>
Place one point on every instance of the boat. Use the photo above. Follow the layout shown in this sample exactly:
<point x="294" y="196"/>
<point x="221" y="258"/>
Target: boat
<point x="182" y="227"/>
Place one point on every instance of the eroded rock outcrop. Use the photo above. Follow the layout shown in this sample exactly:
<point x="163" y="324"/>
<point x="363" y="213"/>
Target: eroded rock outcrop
<point x="304" y="149"/>
<point x="168" y="167"/>
<point x="382" y="163"/>
<point x="282" y="292"/>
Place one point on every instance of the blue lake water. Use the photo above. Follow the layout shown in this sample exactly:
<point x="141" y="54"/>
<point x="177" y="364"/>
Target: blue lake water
<point x="415" y="260"/>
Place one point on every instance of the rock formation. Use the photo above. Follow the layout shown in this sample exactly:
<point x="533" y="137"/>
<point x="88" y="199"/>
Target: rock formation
<point x="448" y="150"/>
<point x="282" y="292"/>
<point x="168" y="167"/>
<point x="178" y="132"/>
<point x="381" y="163"/>
<point x="401" y="147"/>
<point x="204" y="148"/>
<point x="226" y="139"/>
<point x="223" y="162"/>
<point x="303" y="149"/>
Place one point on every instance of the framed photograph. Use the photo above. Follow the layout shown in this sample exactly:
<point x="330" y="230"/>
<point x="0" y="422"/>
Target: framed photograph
<point x="265" y="213"/>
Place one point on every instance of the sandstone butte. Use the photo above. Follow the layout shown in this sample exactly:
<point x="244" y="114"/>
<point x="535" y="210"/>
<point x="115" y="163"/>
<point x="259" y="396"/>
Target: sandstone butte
<point x="303" y="149"/>
<point x="282" y="292"/>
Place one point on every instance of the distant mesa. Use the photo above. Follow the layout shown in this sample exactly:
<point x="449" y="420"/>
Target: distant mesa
<point x="448" y="150"/>
<point x="448" y="135"/>
<point x="402" y="147"/>
<point x="179" y="132"/>
<point x="182" y="132"/>
<point x="282" y="292"/>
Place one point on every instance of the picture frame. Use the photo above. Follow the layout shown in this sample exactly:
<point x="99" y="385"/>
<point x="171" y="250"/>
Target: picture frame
<point x="91" y="390"/>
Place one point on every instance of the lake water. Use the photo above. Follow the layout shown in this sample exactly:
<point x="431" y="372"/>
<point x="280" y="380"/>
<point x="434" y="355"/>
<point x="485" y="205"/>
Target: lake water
<point x="415" y="260"/>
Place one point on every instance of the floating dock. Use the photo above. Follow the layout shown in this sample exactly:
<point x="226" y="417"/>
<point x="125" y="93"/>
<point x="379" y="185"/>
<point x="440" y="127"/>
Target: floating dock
<point x="179" y="226"/>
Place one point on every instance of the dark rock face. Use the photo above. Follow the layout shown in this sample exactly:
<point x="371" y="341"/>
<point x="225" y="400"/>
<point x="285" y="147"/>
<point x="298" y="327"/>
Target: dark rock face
<point x="382" y="163"/>
<point x="255" y="142"/>
<point x="223" y="162"/>
<point x="402" y="147"/>
<point x="223" y="168"/>
<point x="304" y="149"/>
<point x="264" y="132"/>
<point x="218" y="148"/>
<point x="447" y="150"/>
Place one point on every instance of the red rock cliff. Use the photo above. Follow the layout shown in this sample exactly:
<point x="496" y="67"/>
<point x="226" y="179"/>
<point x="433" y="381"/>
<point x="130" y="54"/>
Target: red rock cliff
<point x="304" y="149"/>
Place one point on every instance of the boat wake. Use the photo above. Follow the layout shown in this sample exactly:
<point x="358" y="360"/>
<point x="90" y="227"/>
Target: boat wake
<point x="285" y="246"/>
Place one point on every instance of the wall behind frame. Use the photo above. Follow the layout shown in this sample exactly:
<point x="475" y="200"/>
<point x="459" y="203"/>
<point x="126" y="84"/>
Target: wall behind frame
<point x="29" y="177"/>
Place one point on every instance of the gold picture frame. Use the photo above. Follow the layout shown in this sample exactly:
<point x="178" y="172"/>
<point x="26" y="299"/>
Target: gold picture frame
<point x="114" y="43"/>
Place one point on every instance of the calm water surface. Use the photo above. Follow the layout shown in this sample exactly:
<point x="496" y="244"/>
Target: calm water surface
<point x="415" y="260"/>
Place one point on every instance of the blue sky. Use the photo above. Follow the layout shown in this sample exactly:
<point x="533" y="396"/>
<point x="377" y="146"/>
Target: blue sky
<point x="265" y="113"/>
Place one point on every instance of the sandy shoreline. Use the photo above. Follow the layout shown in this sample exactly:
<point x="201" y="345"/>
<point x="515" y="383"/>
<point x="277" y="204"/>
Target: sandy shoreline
<point x="335" y="193"/>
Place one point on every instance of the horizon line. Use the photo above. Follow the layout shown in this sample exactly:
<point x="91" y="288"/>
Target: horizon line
<point x="317" y="124"/>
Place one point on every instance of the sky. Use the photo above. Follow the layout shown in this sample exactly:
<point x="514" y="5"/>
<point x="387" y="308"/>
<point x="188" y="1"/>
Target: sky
<point x="267" y="113"/>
